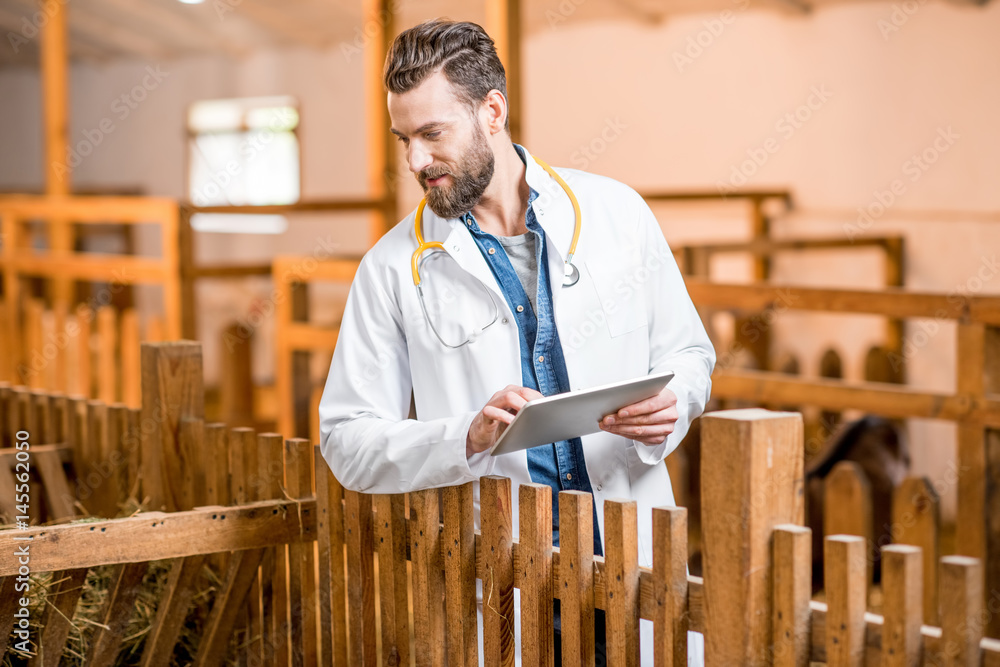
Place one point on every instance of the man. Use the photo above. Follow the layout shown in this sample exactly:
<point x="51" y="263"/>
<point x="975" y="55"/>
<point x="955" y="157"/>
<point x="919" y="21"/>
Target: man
<point x="501" y="316"/>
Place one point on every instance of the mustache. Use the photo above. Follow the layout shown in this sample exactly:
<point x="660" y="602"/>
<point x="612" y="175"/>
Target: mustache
<point x="431" y="172"/>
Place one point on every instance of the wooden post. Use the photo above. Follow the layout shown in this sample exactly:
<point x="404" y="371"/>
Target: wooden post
<point x="503" y="23"/>
<point x="991" y="565"/>
<point x="302" y="563"/>
<point x="237" y="376"/>
<point x="391" y="535"/>
<point x="360" y="578"/>
<point x="961" y="611"/>
<point x="902" y="645"/>
<point x="916" y="515"/>
<point x="428" y="577"/>
<point x="535" y="543"/>
<point x="172" y="388"/>
<point x="380" y="29"/>
<point x="846" y="596"/>
<point x="792" y="590"/>
<point x="575" y="583"/>
<point x="274" y="581"/>
<point x="670" y="586"/>
<point x="847" y="506"/>
<point x="332" y="585"/>
<point x="751" y="481"/>
<point x="621" y="582"/>
<point x="498" y="571"/>
<point x="459" y="539"/>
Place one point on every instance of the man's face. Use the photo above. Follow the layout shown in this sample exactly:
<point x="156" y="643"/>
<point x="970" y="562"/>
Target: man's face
<point x="446" y="148"/>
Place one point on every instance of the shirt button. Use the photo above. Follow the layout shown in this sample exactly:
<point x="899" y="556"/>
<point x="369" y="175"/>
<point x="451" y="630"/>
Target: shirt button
<point x="569" y="476"/>
<point x="599" y="487"/>
<point x="520" y="309"/>
<point x="541" y="358"/>
<point x="504" y="321"/>
<point x="492" y="251"/>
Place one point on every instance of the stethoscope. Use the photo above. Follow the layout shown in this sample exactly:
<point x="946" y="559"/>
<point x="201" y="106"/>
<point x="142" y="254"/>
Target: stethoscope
<point x="571" y="274"/>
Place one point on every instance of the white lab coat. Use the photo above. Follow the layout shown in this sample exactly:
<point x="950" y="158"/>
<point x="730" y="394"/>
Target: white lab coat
<point x="629" y="315"/>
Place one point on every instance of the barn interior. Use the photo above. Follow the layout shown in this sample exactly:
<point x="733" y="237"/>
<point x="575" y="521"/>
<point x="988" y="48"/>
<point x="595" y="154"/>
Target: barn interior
<point x="823" y="170"/>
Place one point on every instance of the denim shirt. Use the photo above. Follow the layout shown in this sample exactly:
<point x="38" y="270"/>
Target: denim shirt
<point x="560" y="465"/>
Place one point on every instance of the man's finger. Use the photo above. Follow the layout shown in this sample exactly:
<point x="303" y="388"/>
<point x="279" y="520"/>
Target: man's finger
<point x="638" y="432"/>
<point x="497" y="414"/>
<point x="659" y="417"/>
<point x="664" y="399"/>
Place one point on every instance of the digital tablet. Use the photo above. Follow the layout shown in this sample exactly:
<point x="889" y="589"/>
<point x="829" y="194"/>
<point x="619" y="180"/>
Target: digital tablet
<point x="574" y="414"/>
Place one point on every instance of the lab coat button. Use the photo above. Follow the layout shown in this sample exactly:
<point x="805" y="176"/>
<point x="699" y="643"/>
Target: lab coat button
<point x="599" y="487"/>
<point x="503" y="321"/>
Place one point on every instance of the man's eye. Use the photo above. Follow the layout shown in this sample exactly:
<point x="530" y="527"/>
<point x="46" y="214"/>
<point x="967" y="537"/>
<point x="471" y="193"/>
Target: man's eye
<point x="433" y="135"/>
<point x="402" y="140"/>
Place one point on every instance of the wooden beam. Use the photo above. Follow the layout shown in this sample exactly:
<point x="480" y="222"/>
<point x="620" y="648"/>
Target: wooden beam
<point x="162" y="535"/>
<point x="55" y="99"/>
<point x="889" y="302"/>
<point x="380" y="28"/>
<point x="883" y="399"/>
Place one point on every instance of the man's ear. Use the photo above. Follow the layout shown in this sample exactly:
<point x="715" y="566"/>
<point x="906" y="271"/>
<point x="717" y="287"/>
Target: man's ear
<point x="495" y="107"/>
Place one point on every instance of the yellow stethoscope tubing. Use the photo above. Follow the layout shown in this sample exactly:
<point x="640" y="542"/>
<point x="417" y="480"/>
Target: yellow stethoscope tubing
<point x="422" y="246"/>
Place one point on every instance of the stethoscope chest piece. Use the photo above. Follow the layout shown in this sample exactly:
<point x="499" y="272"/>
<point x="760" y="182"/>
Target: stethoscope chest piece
<point x="571" y="274"/>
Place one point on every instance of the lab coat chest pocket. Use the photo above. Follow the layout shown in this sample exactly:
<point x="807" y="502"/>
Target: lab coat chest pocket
<point x="617" y="280"/>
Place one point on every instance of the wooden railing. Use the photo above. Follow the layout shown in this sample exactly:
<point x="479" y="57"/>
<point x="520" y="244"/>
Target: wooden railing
<point x="244" y="512"/>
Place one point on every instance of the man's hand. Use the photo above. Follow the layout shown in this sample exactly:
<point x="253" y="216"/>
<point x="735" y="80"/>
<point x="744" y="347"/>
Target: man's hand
<point x="649" y="421"/>
<point x="489" y="424"/>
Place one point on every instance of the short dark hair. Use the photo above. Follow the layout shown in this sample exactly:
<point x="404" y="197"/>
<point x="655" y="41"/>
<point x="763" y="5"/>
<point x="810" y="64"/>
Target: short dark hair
<point x="462" y="50"/>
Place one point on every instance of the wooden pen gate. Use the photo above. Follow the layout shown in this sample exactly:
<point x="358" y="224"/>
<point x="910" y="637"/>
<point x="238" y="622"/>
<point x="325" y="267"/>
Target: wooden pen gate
<point x="252" y="516"/>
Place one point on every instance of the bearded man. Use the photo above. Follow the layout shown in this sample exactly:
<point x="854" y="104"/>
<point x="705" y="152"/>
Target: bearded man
<point x="476" y="303"/>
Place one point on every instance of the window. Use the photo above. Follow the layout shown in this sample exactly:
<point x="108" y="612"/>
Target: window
<point x="243" y="151"/>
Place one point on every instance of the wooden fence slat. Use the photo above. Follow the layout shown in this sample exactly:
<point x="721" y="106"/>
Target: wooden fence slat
<point x="792" y="592"/>
<point x="216" y="463"/>
<point x="621" y="582"/>
<point x="535" y="543"/>
<point x="302" y="560"/>
<point x="48" y="464"/>
<point x="961" y="611"/>
<point x="9" y="601"/>
<point x="172" y="611"/>
<point x="130" y="359"/>
<point x="498" y="568"/>
<point x="916" y="516"/>
<point x="42" y="433"/>
<point x="751" y="481"/>
<point x="84" y="322"/>
<point x="60" y="340"/>
<point x="845" y="565"/>
<point x="274" y="584"/>
<point x="102" y="500"/>
<point x="360" y="578"/>
<point x="847" y="505"/>
<point x="459" y="539"/>
<point x="6" y="428"/>
<point x="332" y="584"/>
<point x="60" y="606"/>
<point x="107" y="346"/>
<point x="575" y="585"/>
<point x="172" y="388"/>
<point x="390" y="530"/>
<point x="428" y="577"/>
<point x="902" y="609"/>
<point x="78" y="436"/>
<point x="239" y="495"/>
<point x="8" y="495"/>
<point x="670" y="586"/>
<point x="126" y="581"/>
<point x="214" y="644"/>
<point x="35" y="371"/>
<point x="248" y="441"/>
<point x="118" y="446"/>
<point x="60" y="414"/>
<point x="133" y="452"/>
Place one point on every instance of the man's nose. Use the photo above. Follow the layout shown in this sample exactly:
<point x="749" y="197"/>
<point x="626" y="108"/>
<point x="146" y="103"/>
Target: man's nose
<point x="419" y="159"/>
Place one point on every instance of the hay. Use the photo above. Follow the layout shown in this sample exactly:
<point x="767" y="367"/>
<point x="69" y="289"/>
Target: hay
<point x="86" y="617"/>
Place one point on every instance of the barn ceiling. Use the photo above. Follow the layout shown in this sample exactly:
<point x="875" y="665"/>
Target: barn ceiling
<point x="103" y="30"/>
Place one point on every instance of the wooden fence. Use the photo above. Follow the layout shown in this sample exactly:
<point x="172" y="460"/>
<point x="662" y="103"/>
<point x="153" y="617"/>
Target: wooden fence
<point x="397" y="573"/>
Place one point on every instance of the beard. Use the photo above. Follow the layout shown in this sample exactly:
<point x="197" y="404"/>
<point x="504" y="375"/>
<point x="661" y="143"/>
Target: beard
<point x="471" y="179"/>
